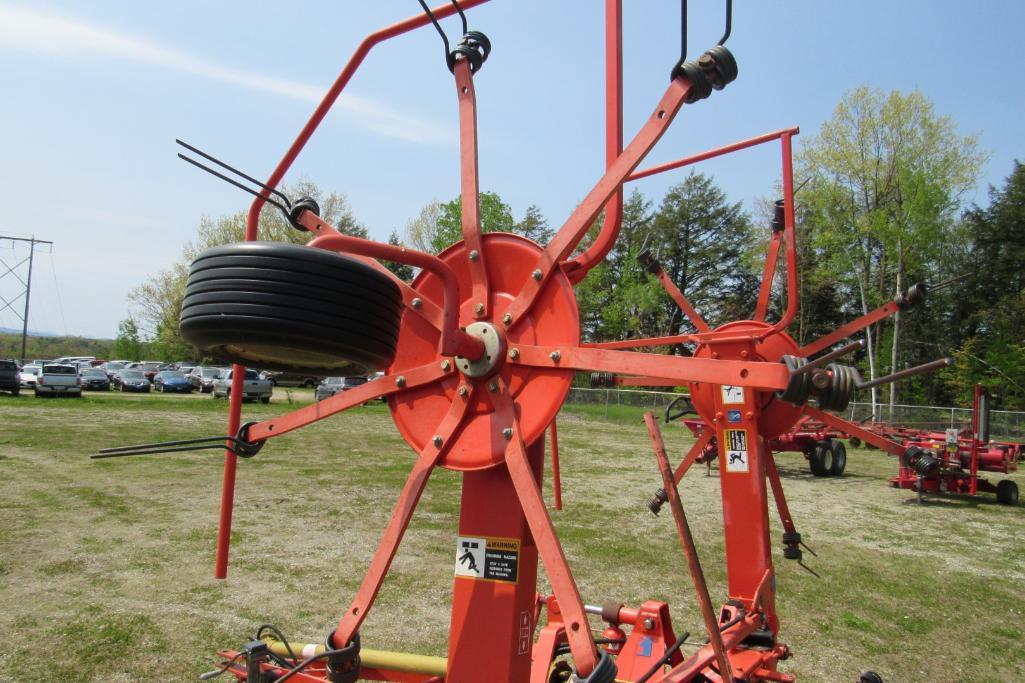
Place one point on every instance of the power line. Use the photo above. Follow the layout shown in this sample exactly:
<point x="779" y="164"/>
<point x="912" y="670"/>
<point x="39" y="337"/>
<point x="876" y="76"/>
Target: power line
<point x="27" y="282"/>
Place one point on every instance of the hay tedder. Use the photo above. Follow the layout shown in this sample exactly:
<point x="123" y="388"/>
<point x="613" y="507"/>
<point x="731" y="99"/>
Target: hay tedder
<point x="950" y="461"/>
<point x="478" y="353"/>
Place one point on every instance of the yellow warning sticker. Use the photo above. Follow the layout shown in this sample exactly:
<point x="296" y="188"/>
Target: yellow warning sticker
<point x="736" y="450"/>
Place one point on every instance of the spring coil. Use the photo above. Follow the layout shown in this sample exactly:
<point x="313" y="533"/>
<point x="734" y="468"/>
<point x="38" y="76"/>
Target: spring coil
<point x="800" y="385"/>
<point x="838" y="394"/>
<point x="602" y="379"/>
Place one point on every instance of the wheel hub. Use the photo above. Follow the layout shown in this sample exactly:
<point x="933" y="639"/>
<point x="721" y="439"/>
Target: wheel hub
<point x="494" y="351"/>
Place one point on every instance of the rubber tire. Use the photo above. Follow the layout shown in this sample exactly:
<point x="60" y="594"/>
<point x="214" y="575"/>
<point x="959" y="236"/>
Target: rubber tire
<point x="309" y="384"/>
<point x="821" y="460"/>
<point x="839" y="458"/>
<point x="290" y="307"/>
<point x="1007" y="492"/>
<point x="265" y="399"/>
<point x="870" y="677"/>
<point x="15" y="391"/>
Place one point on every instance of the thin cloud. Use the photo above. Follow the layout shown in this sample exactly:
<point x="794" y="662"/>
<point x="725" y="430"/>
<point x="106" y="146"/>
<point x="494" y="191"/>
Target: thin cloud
<point x="28" y="30"/>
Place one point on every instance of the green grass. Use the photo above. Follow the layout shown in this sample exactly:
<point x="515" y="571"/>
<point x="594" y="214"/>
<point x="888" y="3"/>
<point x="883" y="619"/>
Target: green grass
<point x="105" y="566"/>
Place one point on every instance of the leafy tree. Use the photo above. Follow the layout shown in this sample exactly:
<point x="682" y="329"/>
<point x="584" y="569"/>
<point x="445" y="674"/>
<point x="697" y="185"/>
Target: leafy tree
<point x="887" y="174"/>
<point x="495" y="216"/>
<point x="158" y="301"/>
<point x="127" y="345"/>
<point x="989" y="309"/>
<point x="422" y="231"/>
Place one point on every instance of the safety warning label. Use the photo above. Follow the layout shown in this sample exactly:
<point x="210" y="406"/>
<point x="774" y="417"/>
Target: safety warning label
<point x="732" y="395"/>
<point x="736" y="450"/>
<point x="488" y="559"/>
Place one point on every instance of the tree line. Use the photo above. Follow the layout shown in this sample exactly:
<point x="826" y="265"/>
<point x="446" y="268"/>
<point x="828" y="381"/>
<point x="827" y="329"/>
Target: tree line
<point x="880" y="206"/>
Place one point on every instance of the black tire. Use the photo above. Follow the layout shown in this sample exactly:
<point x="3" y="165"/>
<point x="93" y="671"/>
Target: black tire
<point x="839" y="458"/>
<point x="1007" y="492"/>
<point x="265" y="399"/>
<point x="870" y="677"/>
<point x="15" y="391"/>
<point x="309" y="384"/>
<point x="821" y="459"/>
<point x="289" y="307"/>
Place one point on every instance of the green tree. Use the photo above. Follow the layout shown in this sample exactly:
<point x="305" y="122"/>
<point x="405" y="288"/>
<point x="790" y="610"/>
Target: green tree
<point x="534" y="226"/>
<point x="988" y="312"/>
<point x="402" y="270"/>
<point x="702" y="241"/>
<point x="887" y="175"/>
<point x="495" y="216"/>
<point x="158" y="301"/>
<point x="127" y="344"/>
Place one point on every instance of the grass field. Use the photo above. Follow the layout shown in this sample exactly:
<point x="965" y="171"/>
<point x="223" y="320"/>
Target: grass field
<point x="106" y="566"/>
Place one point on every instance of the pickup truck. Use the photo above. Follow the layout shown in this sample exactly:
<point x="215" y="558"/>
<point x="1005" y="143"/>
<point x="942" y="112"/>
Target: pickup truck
<point x="10" y="378"/>
<point x="59" y="380"/>
<point x="253" y="387"/>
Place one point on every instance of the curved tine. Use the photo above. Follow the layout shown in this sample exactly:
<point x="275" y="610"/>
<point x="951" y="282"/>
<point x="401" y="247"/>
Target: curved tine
<point x="729" y="23"/>
<point x="156" y="451"/>
<point x="462" y="16"/>
<point x="234" y="170"/>
<point x="683" y="31"/>
<point x="540" y="523"/>
<point x="403" y="513"/>
<point x="273" y="202"/>
<point x="437" y="26"/>
<point x="382" y="386"/>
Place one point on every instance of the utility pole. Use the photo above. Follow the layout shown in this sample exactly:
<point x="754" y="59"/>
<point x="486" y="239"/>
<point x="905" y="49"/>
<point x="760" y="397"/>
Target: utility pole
<point x="27" y="282"/>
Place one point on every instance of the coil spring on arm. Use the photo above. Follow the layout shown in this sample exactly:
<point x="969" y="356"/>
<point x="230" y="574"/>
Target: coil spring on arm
<point x="840" y="390"/>
<point x="800" y="385"/>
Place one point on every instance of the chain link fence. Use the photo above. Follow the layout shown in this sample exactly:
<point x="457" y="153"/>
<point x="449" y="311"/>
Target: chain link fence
<point x="1006" y="425"/>
<point x="605" y="399"/>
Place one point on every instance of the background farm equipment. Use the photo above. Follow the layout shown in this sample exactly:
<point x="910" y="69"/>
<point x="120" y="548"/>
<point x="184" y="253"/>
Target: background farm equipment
<point x="950" y="461"/>
<point x="821" y="444"/>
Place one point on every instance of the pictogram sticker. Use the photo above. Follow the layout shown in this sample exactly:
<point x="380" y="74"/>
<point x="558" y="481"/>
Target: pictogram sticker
<point x="736" y="450"/>
<point x="732" y="395"/>
<point x="487" y="558"/>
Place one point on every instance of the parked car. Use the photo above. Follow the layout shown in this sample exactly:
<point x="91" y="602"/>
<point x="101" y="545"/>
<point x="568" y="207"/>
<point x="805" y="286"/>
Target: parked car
<point x="59" y="380"/>
<point x="149" y="368"/>
<point x="29" y="375"/>
<point x="10" y="377"/>
<point x="112" y="366"/>
<point x="291" y="379"/>
<point x="333" y="385"/>
<point x="95" y="379"/>
<point x="185" y="369"/>
<point x="171" y="380"/>
<point x="131" y="380"/>
<point x="202" y="377"/>
<point x="253" y="386"/>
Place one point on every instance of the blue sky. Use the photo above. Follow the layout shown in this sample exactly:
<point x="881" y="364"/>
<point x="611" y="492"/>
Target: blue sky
<point x="95" y="94"/>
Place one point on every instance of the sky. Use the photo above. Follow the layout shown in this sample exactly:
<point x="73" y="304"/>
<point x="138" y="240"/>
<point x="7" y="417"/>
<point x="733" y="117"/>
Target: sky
<point x="94" y="95"/>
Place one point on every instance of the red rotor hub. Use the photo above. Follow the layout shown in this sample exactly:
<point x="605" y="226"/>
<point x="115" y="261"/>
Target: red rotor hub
<point x="480" y="443"/>
<point x="776" y="416"/>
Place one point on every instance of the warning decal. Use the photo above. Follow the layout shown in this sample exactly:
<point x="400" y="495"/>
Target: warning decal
<point x="488" y="559"/>
<point x="732" y="395"/>
<point x="736" y="450"/>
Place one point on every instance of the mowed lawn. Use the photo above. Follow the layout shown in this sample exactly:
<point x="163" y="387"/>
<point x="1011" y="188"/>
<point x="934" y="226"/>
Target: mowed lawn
<point x="106" y="566"/>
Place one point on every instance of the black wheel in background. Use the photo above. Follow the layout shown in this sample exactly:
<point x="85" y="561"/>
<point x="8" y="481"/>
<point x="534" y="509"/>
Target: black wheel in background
<point x="821" y="460"/>
<point x="289" y="307"/>
<point x="839" y="458"/>
<point x="1007" y="492"/>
